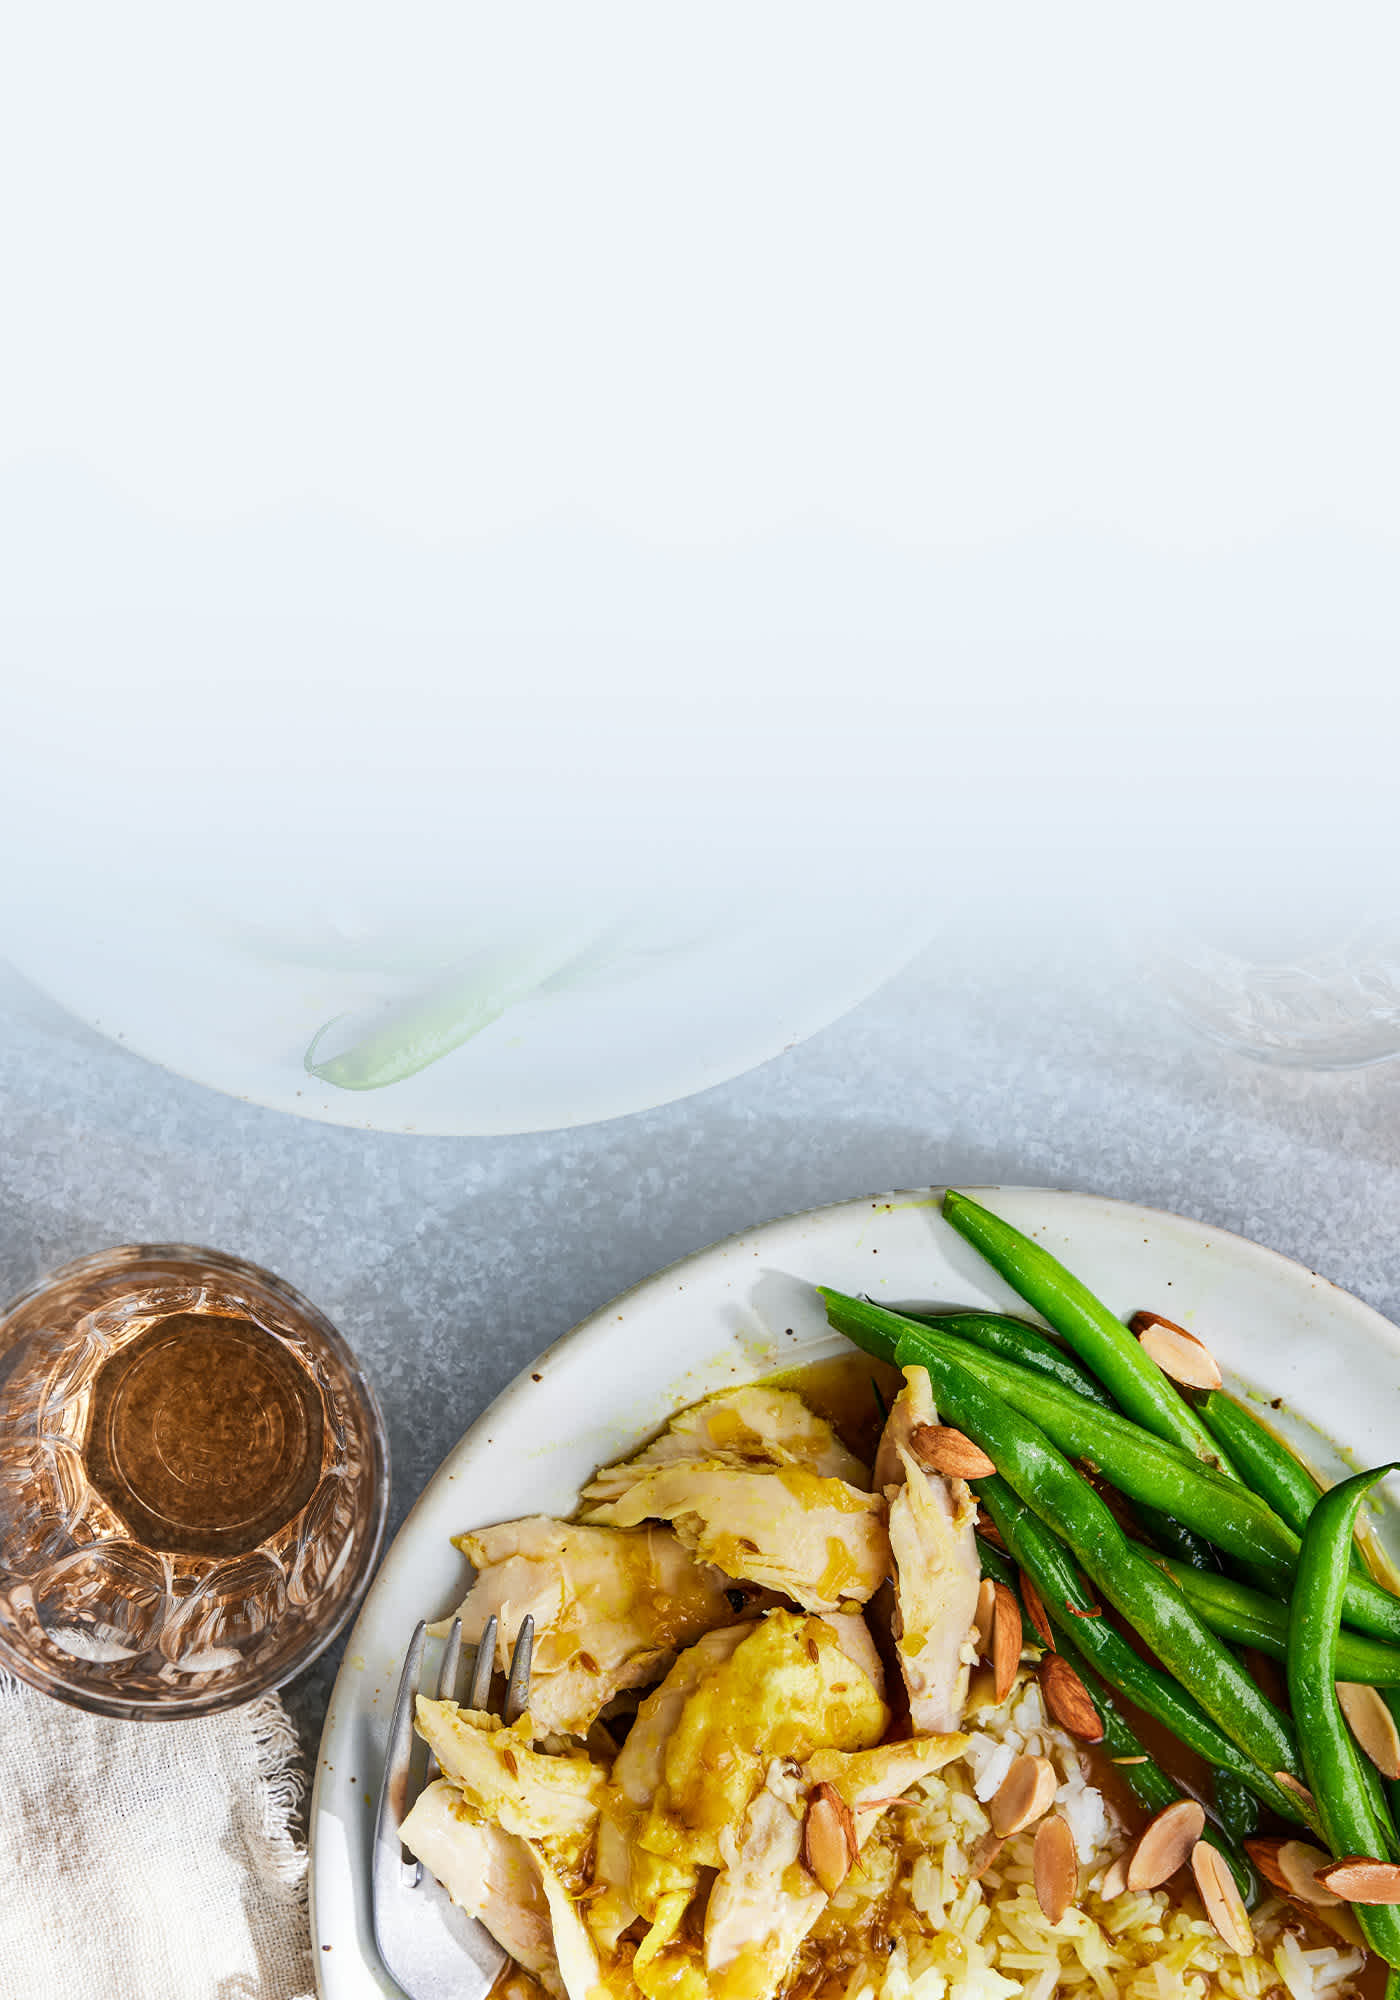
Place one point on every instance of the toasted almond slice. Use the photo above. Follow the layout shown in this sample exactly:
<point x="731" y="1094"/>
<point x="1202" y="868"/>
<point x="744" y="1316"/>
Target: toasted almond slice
<point x="1068" y="1700"/>
<point x="939" y="1448"/>
<point x="1025" y="1795"/>
<point x="984" y="1854"/>
<point x="1055" y="1866"/>
<point x="1339" y="1919"/>
<point x="1359" y="1878"/>
<point x="1291" y="1866"/>
<point x="1166" y="1845"/>
<point x="1176" y="1352"/>
<point x="1006" y="1640"/>
<point x="983" y="1616"/>
<point x="1115" y="1879"/>
<point x="829" y="1844"/>
<point x="981" y="1692"/>
<point x="1036" y="1612"/>
<point x="1299" y="1791"/>
<point x="1223" y="1901"/>
<point x="1266" y="1856"/>
<point x="1299" y="1862"/>
<point x="1372" y="1724"/>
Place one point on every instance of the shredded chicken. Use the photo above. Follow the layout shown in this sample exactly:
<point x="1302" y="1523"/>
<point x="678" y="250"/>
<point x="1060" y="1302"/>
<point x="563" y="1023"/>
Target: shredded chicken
<point x="632" y="1882"/>
<point x="763" y="1902"/>
<point x="751" y="1427"/>
<point x="786" y="1690"/>
<point x="611" y="1606"/>
<point x="552" y="1800"/>
<point x="494" y="1875"/>
<point x="817" y="1540"/>
<point x="936" y="1566"/>
<point x="674" y="1867"/>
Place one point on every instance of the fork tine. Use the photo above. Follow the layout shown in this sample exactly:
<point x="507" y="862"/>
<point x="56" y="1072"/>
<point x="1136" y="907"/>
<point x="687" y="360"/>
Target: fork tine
<point x="518" y="1686"/>
<point x="446" y="1687"/>
<point x="479" y="1693"/>
<point x="451" y="1661"/>
<point x="394" y="1801"/>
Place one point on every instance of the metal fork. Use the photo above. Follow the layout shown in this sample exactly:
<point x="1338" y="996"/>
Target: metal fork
<point x="431" y="1946"/>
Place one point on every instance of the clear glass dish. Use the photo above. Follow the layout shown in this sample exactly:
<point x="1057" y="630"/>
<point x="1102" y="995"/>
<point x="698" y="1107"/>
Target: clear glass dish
<point x="194" y="1479"/>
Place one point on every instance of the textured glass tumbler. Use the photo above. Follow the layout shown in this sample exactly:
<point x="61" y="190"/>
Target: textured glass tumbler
<point x="1314" y="1001"/>
<point x="193" y="1482"/>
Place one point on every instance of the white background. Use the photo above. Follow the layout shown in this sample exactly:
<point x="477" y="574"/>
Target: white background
<point x="443" y="441"/>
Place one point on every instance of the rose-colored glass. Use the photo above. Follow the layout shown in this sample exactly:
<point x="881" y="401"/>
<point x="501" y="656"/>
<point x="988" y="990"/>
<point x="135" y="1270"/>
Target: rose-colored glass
<point x="193" y="1482"/>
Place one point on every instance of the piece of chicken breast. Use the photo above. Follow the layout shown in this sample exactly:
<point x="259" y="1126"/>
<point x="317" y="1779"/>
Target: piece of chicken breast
<point x="611" y="1606"/>
<point x="936" y="1567"/>
<point x="551" y="1800"/>
<point x="817" y="1540"/>
<point x="750" y="1427"/>
<point x="494" y="1875"/>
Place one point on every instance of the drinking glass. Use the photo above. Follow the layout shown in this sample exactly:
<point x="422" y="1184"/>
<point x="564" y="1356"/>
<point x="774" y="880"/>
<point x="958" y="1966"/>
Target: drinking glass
<point x="193" y="1482"/>
<point x="1313" y="998"/>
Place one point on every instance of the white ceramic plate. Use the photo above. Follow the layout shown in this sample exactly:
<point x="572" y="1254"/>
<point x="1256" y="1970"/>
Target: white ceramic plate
<point x="745" y="1309"/>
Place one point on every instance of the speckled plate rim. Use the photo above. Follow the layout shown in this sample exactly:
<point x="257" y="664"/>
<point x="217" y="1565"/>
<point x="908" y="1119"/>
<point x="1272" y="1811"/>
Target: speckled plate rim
<point x="745" y="1308"/>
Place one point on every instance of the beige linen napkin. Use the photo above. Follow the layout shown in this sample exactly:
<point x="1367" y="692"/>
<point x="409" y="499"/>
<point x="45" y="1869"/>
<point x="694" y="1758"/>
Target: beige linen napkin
<point x="149" y="1860"/>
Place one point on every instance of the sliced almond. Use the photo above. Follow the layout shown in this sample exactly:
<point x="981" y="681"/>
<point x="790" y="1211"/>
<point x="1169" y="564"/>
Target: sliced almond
<point x="1036" y="1612"/>
<point x="984" y="1854"/>
<point x="983" y="1616"/>
<point x="1006" y="1640"/>
<point x="1372" y="1724"/>
<point x="1339" y="1921"/>
<point x="939" y="1448"/>
<point x="1176" y="1352"/>
<point x="1055" y="1866"/>
<point x="829" y="1844"/>
<point x="1291" y="1866"/>
<point x="1265" y="1856"/>
<point x="1068" y="1700"/>
<point x="981" y="1692"/>
<point x="1166" y="1845"/>
<point x="1223" y="1901"/>
<point x="1299" y="1862"/>
<point x="1115" y="1879"/>
<point x="1025" y="1795"/>
<point x="1358" y="1878"/>
<point x="1299" y="1790"/>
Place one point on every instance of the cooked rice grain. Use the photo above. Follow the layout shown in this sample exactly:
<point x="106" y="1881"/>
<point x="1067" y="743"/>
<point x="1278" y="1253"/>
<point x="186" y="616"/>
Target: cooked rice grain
<point x="944" y="1937"/>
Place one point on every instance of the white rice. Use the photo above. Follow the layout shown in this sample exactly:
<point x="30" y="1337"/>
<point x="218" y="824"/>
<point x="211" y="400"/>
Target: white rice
<point x="930" y="1933"/>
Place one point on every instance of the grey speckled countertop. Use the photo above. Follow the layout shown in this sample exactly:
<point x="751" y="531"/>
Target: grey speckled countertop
<point x="448" y="1263"/>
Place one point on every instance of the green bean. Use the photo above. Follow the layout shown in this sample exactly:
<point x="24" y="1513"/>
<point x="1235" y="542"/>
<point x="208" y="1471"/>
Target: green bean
<point x="1264" y="1461"/>
<point x="1331" y="1760"/>
<point x="1391" y="1698"/>
<point x="1148" y="1469"/>
<point x="1380" y="1805"/>
<point x="1017" y="1340"/>
<point x="1072" y="1610"/>
<point x="1124" y="1367"/>
<point x="1173" y="1538"/>
<point x="1249" y="1618"/>
<point x="1131" y="1582"/>
<point x="995" y="1564"/>
<point x="1143" y="1775"/>
<point x="1236" y="1806"/>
